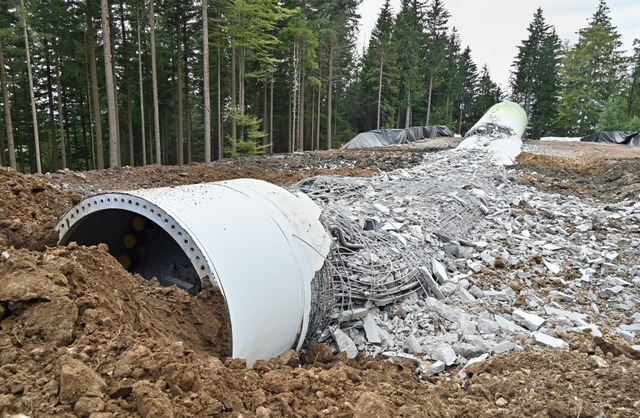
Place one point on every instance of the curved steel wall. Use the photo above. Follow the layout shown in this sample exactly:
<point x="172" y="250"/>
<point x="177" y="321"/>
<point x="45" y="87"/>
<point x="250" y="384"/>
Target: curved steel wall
<point x="260" y="244"/>
<point x="507" y="114"/>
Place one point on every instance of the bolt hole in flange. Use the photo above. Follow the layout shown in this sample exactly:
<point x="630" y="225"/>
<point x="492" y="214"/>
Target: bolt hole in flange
<point x="261" y="245"/>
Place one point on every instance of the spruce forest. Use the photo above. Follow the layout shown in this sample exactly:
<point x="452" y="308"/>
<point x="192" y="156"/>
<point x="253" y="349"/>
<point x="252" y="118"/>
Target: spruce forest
<point x="90" y="84"/>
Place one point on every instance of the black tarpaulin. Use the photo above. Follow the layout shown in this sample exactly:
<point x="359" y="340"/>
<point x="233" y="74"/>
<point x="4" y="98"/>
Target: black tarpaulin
<point x="382" y="137"/>
<point x="614" y="137"/>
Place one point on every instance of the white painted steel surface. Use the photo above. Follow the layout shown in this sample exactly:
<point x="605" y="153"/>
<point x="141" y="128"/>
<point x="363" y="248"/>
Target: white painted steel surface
<point x="260" y="244"/>
<point x="507" y="114"/>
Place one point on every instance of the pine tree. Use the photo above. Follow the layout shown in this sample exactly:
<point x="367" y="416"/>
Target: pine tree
<point x="379" y="74"/>
<point x="633" y="107"/>
<point x="534" y="79"/>
<point x="7" y="109"/>
<point x="409" y="37"/>
<point x="487" y="94"/>
<point x="469" y="75"/>
<point x="436" y="20"/>
<point x="299" y="44"/>
<point x="591" y="73"/>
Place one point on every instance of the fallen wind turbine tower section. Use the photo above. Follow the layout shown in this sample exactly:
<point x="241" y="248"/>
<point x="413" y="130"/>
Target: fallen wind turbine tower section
<point x="262" y="246"/>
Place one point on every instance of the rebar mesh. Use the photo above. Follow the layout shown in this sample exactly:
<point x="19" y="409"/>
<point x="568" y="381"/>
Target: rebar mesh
<point x="408" y="211"/>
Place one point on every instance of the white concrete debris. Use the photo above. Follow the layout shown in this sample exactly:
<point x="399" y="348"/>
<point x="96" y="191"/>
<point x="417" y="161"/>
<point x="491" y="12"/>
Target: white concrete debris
<point x="442" y="352"/>
<point x="345" y="343"/>
<point x="545" y="339"/>
<point x="371" y="329"/>
<point x="519" y="266"/>
<point x="529" y="321"/>
<point x="439" y="271"/>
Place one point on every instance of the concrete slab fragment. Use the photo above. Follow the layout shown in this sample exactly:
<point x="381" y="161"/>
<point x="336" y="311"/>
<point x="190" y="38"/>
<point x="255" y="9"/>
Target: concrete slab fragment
<point x="430" y="283"/>
<point x="439" y="271"/>
<point x="371" y="330"/>
<point x="548" y="340"/>
<point x="528" y="320"/>
<point x="345" y="343"/>
<point x="509" y="325"/>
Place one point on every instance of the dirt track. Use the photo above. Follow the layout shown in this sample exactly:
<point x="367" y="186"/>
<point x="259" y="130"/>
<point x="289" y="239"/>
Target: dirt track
<point x="79" y="336"/>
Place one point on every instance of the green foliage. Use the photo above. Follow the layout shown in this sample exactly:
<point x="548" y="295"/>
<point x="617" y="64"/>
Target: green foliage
<point x="468" y="74"/>
<point x="253" y="144"/>
<point x="409" y="37"/>
<point x="377" y="83"/>
<point x="634" y="81"/>
<point x="435" y="52"/>
<point x="534" y="79"/>
<point x="633" y="124"/>
<point x="488" y="93"/>
<point x="251" y="25"/>
<point x="591" y="73"/>
<point x="243" y="148"/>
<point x="613" y="116"/>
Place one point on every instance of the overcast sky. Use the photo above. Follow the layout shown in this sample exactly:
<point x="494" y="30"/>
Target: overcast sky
<point x="494" y="29"/>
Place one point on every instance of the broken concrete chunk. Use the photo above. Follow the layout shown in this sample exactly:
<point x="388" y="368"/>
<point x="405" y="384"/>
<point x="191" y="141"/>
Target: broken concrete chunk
<point x="509" y="325"/>
<point x="431" y="284"/>
<point x="551" y="247"/>
<point x="449" y="288"/>
<point x="442" y="352"/>
<point x="615" y="290"/>
<point x="548" y="340"/>
<point x="487" y="326"/>
<point x="632" y="328"/>
<point x="487" y="258"/>
<point x="469" y="350"/>
<point x="444" y="311"/>
<point x="616" y="281"/>
<point x="465" y="295"/>
<point x="505" y="295"/>
<point x="352" y="314"/>
<point x="439" y="271"/>
<point x="505" y="347"/>
<point x="575" y="316"/>
<point x="533" y="298"/>
<point x="560" y="296"/>
<point x="381" y="208"/>
<point x="475" y="266"/>
<point x="595" y="331"/>
<point x="552" y="267"/>
<point x="435" y="368"/>
<point x="528" y="320"/>
<point x="412" y="345"/>
<point x="345" y="343"/>
<point x="478" y="359"/>
<point x="371" y="330"/>
<point x="387" y="340"/>
<point x="584" y="227"/>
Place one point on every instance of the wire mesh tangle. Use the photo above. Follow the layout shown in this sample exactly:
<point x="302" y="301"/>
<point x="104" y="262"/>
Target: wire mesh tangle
<point x="386" y="227"/>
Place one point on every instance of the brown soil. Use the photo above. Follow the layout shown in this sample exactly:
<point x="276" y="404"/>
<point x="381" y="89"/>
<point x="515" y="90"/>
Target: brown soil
<point x="80" y="336"/>
<point x="604" y="171"/>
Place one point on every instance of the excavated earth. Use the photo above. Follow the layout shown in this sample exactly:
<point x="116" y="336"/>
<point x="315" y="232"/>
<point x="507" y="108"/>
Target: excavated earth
<point x="82" y="337"/>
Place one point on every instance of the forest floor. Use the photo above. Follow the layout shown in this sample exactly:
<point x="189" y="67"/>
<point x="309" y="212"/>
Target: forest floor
<point x="82" y="337"/>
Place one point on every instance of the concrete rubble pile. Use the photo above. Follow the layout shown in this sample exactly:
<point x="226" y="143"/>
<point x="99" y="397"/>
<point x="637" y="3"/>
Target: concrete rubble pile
<point x="451" y="262"/>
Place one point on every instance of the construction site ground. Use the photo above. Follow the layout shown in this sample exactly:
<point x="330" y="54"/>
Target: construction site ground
<point x="82" y="337"/>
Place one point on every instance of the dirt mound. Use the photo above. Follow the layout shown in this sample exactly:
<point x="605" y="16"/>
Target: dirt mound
<point x="81" y="337"/>
<point x="76" y="326"/>
<point x="29" y="209"/>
